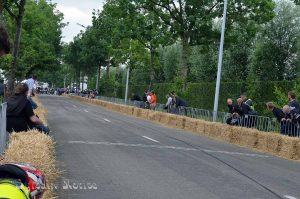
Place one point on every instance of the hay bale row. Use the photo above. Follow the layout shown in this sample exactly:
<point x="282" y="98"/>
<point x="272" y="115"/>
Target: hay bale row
<point x="34" y="148"/>
<point x="273" y="143"/>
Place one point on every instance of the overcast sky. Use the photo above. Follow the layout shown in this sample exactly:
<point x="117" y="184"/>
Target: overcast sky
<point x="77" y="11"/>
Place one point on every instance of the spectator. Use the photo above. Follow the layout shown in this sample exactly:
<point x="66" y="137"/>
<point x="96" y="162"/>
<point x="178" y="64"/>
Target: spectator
<point x="169" y="103"/>
<point x="240" y="109"/>
<point x="135" y="97"/>
<point x="291" y="122"/>
<point x="20" y="116"/>
<point x="277" y="112"/>
<point x="294" y="104"/>
<point x="30" y="83"/>
<point x="231" y="110"/>
<point x="148" y="102"/>
<point x="248" y="105"/>
<point x="4" y="41"/>
<point x="136" y="100"/>
<point x="247" y="101"/>
<point x="180" y="104"/>
<point x="153" y="100"/>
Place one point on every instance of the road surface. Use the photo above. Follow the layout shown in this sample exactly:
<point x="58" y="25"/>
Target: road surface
<point x="108" y="155"/>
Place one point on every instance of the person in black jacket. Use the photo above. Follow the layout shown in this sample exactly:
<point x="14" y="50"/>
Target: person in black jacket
<point x="290" y="123"/>
<point x="19" y="113"/>
<point x="231" y="120"/>
<point x="294" y="104"/>
<point x="277" y="112"/>
<point x="180" y="104"/>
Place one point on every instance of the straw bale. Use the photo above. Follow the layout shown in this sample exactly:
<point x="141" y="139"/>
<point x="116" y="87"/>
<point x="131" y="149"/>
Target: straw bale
<point x="34" y="148"/>
<point x="130" y="110"/>
<point x="172" y="120"/>
<point x="269" y="142"/>
<point x="290" y="148"/>
<point x="164" y="118"/>
<point x="157" y="116"/>
<point x="137" y="112"/>
<point x="152" y="115"/>
<point x="41" y="112"/>
<point x="180" y="122"/>
<point x="144" y="113"/>
<point x="220" y="131"/>
<point x="190" y="124"/>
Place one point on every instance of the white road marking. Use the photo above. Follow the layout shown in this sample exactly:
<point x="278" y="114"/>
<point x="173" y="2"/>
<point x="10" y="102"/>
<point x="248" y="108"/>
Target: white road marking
<point x="150" y="139"/>
<point x="106" y="120"/>
<point x="167" y="147"/>
<point x="290" y="197"/>
<point x="86" y="111"/>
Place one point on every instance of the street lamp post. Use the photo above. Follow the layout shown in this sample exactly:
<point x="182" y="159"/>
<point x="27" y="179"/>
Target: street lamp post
<point x="98" y="77"/>
<point x="127" y="84"/>
<point x="216" y="104"/>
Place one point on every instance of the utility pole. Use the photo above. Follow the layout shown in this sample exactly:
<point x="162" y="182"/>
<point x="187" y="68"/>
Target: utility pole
<point x="98" y="76"/>
<point x="216" y="104"/>
<point x="127" y="84"/>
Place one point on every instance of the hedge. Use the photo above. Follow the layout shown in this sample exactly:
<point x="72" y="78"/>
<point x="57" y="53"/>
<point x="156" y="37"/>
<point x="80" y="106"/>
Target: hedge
<point x="201" y="95"/>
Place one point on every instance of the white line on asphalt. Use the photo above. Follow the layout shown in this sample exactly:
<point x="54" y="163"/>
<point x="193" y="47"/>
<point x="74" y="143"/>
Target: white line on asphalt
<point x="106" y="120"/>
<point x="290" y="197"/>
<point x="168" y="147"/>
<point x="150" y="139"/>
<point x="86" y="111"/>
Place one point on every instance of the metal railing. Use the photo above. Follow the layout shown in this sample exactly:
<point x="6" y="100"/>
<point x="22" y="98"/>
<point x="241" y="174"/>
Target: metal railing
<point x="250" y="121"/>
<point x="3" y="133"/>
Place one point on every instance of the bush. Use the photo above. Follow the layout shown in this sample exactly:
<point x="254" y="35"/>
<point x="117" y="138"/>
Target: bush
<point x="201" y="95"/>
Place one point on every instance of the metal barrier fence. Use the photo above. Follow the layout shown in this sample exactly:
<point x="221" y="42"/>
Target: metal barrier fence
<point x="250" y="121"/>
<point x="3" y="133"/>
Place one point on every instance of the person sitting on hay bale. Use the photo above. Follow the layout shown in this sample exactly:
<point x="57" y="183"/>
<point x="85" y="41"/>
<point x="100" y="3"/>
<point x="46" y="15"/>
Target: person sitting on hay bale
<point x="20" y="115"/>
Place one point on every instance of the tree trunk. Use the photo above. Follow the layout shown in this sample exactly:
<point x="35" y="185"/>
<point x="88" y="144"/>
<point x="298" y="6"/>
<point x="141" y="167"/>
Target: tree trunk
<point x="107" y="77"/>
<point x="184" y="58"/>
<point x="152" y="54"/>
<point x="12" y="72"/>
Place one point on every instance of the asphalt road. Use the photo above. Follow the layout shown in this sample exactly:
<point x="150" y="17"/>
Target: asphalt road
<point x="108" y="155"/>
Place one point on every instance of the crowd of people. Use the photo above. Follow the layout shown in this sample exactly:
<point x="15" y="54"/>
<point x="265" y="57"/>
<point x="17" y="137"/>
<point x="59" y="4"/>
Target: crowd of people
<point x="288" y="116"/>
<point x="242" y="113"/>
<point x="174" y="104"/>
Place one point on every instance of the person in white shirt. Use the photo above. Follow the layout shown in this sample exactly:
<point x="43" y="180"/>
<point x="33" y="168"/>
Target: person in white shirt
<point x="149" y="98"/>
<point x="31" y="86"/>
<point x="169" y="103"/>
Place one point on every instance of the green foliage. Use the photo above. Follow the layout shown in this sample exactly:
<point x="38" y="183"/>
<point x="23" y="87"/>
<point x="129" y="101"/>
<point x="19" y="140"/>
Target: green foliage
<point x="40" y="47"/>
<point x="276" y="54"/>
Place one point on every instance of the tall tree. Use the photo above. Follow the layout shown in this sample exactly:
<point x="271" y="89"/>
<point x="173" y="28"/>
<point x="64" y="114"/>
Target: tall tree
<point x="193" y="21"/>
<point x="276" y="53"/>
<point x="19" y="6"/>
